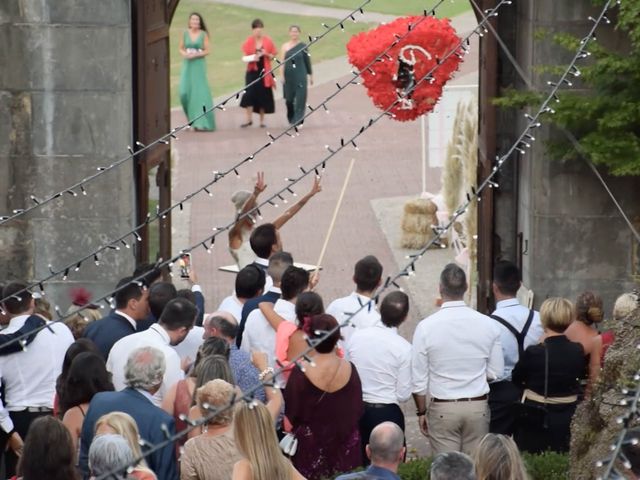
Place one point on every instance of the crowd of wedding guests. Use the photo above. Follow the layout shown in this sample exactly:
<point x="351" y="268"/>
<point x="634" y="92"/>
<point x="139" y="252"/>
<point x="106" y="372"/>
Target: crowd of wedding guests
<point x="273" y="385"/>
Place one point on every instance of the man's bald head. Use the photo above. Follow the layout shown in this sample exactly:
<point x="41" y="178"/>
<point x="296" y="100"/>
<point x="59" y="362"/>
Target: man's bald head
<point x="220" y="324"/>
<point x="386" y="444"/>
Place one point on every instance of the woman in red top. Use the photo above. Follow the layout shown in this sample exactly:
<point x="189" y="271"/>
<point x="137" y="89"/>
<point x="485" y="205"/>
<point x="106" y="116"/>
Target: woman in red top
<point x="258" y="50"/>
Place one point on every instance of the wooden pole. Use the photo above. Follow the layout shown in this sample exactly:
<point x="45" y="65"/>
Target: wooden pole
<point x="335" y="216"/>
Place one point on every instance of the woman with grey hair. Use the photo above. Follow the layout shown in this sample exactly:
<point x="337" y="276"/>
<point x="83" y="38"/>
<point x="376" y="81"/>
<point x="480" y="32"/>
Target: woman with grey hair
<point x="111" y="452"/>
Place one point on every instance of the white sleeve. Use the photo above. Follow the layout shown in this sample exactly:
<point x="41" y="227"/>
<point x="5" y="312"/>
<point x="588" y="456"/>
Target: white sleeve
<point x="419" y="363"/>
<point x="404" y="387"/>
<point x="173" y="373"/>
<point x="495" y="364"/>
<point x="246" y="336"/>
<point x="5" y="420"/>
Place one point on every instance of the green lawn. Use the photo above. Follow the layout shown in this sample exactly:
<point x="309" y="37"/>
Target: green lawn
<point x="449" y="8"/>
<point x="229" y="26"/>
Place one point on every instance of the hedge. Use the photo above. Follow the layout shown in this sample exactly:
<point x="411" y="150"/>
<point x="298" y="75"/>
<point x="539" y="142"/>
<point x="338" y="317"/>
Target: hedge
<point x="547" y="466"/>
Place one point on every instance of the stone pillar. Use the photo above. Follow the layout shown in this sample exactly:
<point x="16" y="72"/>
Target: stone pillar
<point x="573" y="237"/>
<point x="65" y="109"/>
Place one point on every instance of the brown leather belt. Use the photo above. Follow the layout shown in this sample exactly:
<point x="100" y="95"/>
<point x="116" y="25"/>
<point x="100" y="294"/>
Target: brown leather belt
<point x="474" y="399"/>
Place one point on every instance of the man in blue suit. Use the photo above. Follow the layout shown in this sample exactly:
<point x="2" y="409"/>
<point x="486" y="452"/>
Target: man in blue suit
<point x="144" y="372"/>
<point x="385" y="450"/>
<point x="132" y="306"/>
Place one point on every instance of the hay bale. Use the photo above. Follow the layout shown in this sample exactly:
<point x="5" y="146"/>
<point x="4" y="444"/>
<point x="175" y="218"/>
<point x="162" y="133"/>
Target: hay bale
<point x="418" y="218"/>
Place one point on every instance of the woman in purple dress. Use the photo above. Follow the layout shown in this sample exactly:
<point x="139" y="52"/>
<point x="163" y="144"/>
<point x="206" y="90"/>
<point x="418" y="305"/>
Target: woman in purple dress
<point x="324" y="406"/>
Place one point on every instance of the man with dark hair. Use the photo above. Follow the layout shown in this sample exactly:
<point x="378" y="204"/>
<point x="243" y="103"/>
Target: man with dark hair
<point x="383" y="360"/>
<point x="385" y="448"/>
<point x="188" y="348"/>
<point x="177" y="319"/>
<point x="367" y="276"/>
<point x="250" y="283"/>
<point x="160" y="294"/>
<point x="259" y="335"/>
<point x="265" y="241"/>
<point x="455" y="351"/>
<point x="132" y="306"/>
<point x="519" y="327"/>
<point x="149" y="272"/>
<point x="29" y="375"/>
<point x="223" y="325"/>
<point x="278" y="263"/>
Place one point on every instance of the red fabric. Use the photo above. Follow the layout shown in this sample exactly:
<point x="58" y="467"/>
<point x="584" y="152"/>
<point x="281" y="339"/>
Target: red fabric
<point x="607" y="340"/>
<point x="434" y="35"/>
<point x="249" y="48"/>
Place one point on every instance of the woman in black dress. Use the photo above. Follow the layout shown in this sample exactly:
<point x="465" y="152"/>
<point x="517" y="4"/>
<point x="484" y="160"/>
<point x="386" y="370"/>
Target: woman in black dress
<point x="549" y="375"/>
<point x="258" y="51"/>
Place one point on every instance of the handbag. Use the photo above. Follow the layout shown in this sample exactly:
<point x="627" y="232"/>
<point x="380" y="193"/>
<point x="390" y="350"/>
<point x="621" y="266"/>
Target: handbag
<point x="534" y="413"/>
<point x="289" y="444"/>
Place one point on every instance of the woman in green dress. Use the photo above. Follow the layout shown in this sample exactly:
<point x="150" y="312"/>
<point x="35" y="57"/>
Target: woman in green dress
<point x="297" y="72"/>
<point x="194" y="87"/>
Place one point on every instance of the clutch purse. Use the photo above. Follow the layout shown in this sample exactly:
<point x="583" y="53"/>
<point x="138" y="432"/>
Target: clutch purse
<point x="289" y="444"/>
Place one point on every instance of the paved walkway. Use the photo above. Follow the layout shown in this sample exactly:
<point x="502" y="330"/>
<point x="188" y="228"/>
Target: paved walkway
<point x="386" y="173"/>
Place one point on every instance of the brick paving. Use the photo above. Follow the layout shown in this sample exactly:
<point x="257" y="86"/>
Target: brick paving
<point x="387" y="166"/>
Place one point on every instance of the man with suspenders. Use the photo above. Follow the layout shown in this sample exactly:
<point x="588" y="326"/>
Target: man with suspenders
<point x="519" y="328"/>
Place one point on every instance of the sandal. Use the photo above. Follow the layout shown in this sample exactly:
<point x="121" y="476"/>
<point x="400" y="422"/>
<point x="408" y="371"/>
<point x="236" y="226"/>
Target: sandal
<point x="245" y="125"/>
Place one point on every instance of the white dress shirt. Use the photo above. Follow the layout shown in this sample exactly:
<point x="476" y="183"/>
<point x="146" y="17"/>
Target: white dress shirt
<point x="259" y="335"/>
<point x="516" y="314"/>
<point x="129" y="319"/>
<point x="383" y="360"/>
<point x="29" y="377"/>
<point x="232" y="305"/>
<point x="455" y="351"/>
<point x="157" y="337"/>
<point x="342" y="308"/>
<point x="188" y="348"/>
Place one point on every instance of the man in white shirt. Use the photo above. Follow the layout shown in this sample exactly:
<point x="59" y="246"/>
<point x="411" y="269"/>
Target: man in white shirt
<point x="259" y="335"/>
<point x="455" y="352"/>
<point x="383" y="360"/>
<point x="176" y="321"/>
<point x="29" y="377"/>
<point x="249" y="284"/>
<point x="265" y="241"/>
<point x="367" y="276"/>
<point x="519" y="327"/>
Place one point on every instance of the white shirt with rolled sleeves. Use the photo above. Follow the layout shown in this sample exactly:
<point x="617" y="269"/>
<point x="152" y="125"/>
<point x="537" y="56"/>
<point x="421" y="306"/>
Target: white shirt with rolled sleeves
<point x="29" y="377"/>
<point x="456" y="351"/>
<point x="516" y="314"/>
<point x="259" y="335"/>
<point x="383" y="360"/>
<point x="343" y="308"/>
<point x="157" y="337"/>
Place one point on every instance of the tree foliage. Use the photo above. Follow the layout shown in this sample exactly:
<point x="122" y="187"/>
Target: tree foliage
<point x="603" y="113"/>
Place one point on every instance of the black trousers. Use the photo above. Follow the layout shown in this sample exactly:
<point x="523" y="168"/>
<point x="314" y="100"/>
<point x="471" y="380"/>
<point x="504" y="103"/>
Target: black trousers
<point x="21" y="422"/>
<point x="503" y="397"/>
<point x="374" y="415"/>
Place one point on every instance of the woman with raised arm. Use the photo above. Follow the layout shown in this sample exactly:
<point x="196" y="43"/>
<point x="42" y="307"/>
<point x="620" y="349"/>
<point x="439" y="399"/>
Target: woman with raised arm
<point x="194" y="86"/>
<point x="244" y="202"/>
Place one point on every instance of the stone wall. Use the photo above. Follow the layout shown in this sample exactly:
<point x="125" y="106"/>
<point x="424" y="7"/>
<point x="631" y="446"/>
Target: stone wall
<point x="573" y="237"/>
<point x="65" y="109"/>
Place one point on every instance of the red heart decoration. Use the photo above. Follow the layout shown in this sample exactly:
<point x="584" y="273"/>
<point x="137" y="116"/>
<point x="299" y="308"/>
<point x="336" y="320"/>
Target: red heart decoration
<point x="406" y="63"/>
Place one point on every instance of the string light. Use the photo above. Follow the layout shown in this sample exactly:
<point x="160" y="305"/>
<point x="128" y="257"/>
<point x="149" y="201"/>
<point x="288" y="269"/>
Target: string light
<point x="164" y="139"/>
<point x="233" y="169"/>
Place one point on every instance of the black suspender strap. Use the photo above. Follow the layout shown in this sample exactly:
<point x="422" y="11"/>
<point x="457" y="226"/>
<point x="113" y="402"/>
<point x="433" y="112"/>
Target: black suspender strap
<point x="520" y="336"/>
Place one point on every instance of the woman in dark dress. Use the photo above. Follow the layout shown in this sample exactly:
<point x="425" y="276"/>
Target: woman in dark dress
<point x="549" y="375"/>
<point x="324" y="405"/>
<point x="297" y="73"/>
<point x="258" y="51"/>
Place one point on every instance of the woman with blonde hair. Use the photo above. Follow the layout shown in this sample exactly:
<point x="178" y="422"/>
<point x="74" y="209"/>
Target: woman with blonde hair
<point x="257" y="442"/>
<point x="123" y="424"/>
<point x="497" y="458"/>
<point x="548" y="374"/>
